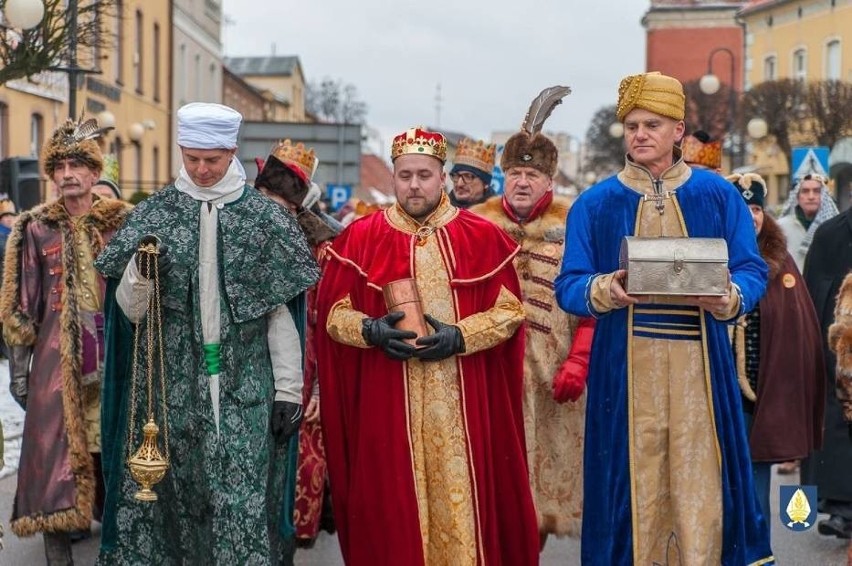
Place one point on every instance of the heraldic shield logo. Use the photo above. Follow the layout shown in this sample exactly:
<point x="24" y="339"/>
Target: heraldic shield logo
<point x="798" y="506"/>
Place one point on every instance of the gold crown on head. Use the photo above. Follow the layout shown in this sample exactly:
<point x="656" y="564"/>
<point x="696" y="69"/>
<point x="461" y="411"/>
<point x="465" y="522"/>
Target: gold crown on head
<point x="420" y="141"/>
<point x="476" y="153"/>
<point x="303" y="158"/>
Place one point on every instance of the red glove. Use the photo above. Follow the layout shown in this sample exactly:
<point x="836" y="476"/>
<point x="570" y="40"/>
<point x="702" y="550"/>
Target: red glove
<point x="570" y="381"/>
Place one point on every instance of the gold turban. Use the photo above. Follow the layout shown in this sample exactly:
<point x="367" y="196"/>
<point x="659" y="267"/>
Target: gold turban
<point x="654" y="92"/>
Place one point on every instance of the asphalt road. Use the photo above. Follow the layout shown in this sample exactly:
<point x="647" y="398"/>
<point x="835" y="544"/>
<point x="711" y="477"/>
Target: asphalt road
<point x="796" y="549"/>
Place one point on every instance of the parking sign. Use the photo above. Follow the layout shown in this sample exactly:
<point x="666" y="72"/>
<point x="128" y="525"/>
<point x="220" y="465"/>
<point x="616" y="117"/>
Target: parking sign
<point x="338" y="195"/>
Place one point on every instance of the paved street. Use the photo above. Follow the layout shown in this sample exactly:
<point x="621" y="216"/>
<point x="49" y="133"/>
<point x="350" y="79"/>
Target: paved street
<point x="795" y="549"/>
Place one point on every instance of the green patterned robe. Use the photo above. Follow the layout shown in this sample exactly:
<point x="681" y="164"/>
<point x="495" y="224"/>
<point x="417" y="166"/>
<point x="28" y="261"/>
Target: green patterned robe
<point x="220" y="500"/>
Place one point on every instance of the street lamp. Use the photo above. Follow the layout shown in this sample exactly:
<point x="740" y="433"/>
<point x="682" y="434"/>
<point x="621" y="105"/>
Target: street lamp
<point x="757" y="128"/>
<point x="24" y="14"/>
<point x="616" y="129"/>
<point x="710" y="84"/>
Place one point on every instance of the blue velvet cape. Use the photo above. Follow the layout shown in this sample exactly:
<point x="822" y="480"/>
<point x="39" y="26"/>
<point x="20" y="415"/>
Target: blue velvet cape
<point x="597" y="222"/>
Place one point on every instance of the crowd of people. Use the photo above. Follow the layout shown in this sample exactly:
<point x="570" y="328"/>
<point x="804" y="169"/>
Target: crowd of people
<point x="487" y="380"/>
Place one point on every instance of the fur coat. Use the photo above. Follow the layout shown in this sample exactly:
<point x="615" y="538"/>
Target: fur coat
<point x="39" y="310"/>
<point x="554" y="432"/>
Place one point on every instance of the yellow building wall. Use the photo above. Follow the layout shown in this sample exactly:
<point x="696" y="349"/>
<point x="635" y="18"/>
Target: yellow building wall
<point x="144" y="164"/>
<point x="779" y="32"/>
<point x="292" y="88"/>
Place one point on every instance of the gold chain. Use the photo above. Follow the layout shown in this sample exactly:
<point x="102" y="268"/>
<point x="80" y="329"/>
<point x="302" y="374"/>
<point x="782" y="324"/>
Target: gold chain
<point x="153" y="318"/>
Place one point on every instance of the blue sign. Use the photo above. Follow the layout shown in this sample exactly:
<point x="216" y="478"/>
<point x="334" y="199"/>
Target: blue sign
<point x="338" y="195"/>
<point x="497" y="180"/>
<point x="809" y="160"/>
<point x="798" y="506"/>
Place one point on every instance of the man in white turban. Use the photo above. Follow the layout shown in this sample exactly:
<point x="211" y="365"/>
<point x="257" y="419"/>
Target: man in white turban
<point x="233" y="268"/>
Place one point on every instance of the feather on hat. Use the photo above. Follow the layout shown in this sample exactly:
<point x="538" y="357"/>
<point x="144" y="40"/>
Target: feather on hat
<point x="529" y="147"/>
<point x="74" y="140"/>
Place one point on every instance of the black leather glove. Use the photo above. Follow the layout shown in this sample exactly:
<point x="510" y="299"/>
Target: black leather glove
<point x="380" y="332"/>
<point x="447" y="341"/>
<point x="163" y="259"/>
<point x="19" y="373"/>
<point x="286" y="418"/>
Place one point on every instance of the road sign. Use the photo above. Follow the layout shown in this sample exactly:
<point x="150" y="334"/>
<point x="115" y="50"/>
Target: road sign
<point x="809" y="160"/>
<point x="497" y="180"/>
<point x="338" y="195"/>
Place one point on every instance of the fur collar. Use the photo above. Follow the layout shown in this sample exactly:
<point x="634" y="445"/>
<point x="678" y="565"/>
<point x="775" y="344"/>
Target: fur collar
<point x="105" y="214"/>
<point x="773" y="245"/>
<point x="550" y="226"/>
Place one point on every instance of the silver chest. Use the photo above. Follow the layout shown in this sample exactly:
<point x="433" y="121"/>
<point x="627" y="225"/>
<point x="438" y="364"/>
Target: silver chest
<point x="675" y="266"/>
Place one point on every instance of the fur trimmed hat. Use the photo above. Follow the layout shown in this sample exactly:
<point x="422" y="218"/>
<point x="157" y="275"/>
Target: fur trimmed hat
<point x="74" y="140"/>
<point x="529" y="147"/>
<point x="525" y="150"/>
<point x="751" y="187"/>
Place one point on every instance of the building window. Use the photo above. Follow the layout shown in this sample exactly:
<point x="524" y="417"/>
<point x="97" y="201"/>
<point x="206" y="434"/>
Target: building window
<point x="155" y="158"/>
<point x="197" y="76"/>
<point x="213" y="80"/>
<point x="118" y="52"/>
<point x="137" y="163"/>
<point x="36" y="134"/>
<point x="832" y="60"/>
<point x="157" y="62"/>
<point x="137" y="55"/>
<point x="182" y="71"/>
<point x="119" y="157"/>
<point x="97" y="52"/>
<point x="800" y="64"/>
<point x="770" y="68"/>
<point x="4" y="130"/>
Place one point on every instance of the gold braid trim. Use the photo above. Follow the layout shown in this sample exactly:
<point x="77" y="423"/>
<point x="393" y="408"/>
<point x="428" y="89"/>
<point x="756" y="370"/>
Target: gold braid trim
<point x="738" y="331"/>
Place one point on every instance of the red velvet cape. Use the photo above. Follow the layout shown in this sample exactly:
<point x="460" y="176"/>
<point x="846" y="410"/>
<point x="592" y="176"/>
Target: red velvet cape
<point x="365" y="408"/>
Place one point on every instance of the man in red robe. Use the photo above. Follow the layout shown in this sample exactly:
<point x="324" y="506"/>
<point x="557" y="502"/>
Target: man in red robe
<point x="425" y="438"/>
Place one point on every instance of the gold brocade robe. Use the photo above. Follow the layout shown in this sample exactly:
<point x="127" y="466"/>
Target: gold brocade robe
<point x="436" y="424"/>
<point x="675" y="470"/>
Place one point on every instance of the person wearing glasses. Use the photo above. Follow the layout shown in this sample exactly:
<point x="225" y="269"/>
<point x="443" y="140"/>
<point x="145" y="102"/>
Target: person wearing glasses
<point x="471" y="173"/>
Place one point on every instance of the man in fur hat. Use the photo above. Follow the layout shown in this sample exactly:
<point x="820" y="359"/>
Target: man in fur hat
<point x="233" y="268"/>
<point x="554" y="378"/>
<point x="286" y="178"/>
<point x="667" y="474"/>
<point x="424" y="430"/>
<point x="471" y="173"/>
<point x="51" y="308"/>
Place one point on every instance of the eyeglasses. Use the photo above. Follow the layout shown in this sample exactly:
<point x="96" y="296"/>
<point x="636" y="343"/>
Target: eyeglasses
<point x="464" y="176"/>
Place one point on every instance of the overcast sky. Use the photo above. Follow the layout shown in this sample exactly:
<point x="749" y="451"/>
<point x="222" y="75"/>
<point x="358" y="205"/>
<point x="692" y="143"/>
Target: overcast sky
<point x="491" y="58"/>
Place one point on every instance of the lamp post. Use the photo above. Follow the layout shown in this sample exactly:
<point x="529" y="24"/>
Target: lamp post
<point x="710" y="84"/>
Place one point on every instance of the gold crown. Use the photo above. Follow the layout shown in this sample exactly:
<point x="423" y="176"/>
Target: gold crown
<point x="303" y="158"/>
<point x="420" y="141"/>
<point x="476" y="154"/>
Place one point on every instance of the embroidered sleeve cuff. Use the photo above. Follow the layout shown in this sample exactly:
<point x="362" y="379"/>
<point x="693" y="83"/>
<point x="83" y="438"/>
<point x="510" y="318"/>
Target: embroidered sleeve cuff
<point x="344" y="324"/>
<point x="486" y="329"/>
<point x="600" y="295"/>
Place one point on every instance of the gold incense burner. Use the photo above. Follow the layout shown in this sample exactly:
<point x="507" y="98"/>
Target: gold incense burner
<point x="148" y="466"/>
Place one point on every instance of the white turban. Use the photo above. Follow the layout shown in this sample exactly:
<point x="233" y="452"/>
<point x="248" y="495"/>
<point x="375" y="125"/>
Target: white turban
<point x="206" y="125"/>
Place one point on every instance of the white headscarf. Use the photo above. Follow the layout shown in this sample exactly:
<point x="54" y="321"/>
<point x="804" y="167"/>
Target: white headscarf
<point x="206" y="125"/>
<point x="827" y="208"/>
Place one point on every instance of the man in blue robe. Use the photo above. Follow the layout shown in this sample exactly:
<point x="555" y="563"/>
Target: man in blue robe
<point x="667" y="473"/>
